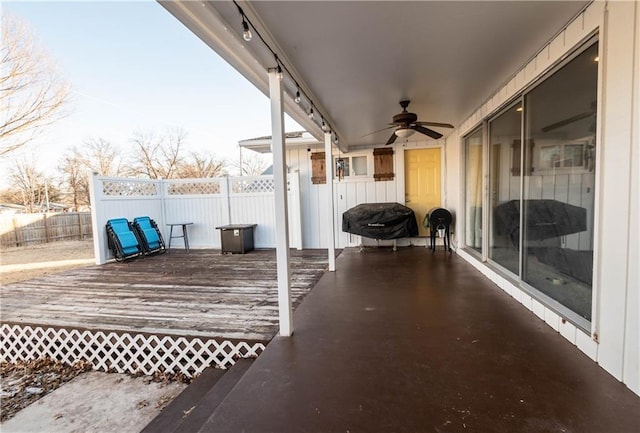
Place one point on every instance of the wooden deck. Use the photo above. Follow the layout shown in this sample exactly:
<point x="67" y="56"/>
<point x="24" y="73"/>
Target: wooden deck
<point x="203" y="294"/>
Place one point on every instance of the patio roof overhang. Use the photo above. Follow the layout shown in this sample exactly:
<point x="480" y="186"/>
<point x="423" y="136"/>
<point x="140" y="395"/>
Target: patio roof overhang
<point x="356" y="60"/>
<point x="352" y="62"/>
<point x="292" y="139"/>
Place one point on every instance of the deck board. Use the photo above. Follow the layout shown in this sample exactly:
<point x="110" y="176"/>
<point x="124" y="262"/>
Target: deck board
<point x="204" y="294"/>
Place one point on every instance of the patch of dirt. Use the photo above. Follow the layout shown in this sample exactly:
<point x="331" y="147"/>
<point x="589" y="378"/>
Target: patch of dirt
<point x="33" y="261"/>
<point x="22" y="383"/>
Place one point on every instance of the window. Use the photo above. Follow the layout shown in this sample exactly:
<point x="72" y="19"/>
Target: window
<point x="359" y="165"/>
<point x="350" y="166"/>
<point x="562" y="155"/>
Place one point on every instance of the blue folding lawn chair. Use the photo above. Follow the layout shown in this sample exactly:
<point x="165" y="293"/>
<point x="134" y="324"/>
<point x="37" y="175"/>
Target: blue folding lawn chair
<point x="149" y="235"/>
<point x="122" y="240"/>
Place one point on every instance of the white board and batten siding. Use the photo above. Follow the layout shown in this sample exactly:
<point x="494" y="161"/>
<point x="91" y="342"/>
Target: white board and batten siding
<point x="206" y="203"/>
<point x="348" y="192"/>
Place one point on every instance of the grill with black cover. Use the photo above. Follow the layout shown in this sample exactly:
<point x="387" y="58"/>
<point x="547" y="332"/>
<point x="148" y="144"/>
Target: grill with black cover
<point x="381" y="221"/>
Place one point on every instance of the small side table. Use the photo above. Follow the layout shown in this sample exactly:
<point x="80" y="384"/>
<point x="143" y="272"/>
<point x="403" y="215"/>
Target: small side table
<point x="184" y="234"/>
<point x="236" y="238"/>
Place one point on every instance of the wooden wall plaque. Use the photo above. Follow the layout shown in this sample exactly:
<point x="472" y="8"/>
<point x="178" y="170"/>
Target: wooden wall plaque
<point x="318" y="168"/>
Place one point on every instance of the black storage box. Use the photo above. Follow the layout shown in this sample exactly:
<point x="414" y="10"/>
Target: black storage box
<point x="237" y="238"/>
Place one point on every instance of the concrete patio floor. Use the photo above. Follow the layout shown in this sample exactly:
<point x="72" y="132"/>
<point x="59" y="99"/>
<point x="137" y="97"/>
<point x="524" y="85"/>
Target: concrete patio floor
<point x="408" y="341"/>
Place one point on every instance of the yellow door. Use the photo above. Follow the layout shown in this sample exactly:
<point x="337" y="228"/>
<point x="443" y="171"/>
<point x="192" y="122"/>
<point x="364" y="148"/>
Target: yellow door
<point x="422" y="182"/>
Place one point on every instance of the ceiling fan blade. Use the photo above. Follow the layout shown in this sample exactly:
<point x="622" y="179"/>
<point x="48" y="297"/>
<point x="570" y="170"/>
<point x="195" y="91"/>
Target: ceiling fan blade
<point x="426" y="131"/>
<point x="568" y="121"/>
<point x="440" y="125"/>
<point x="379" y="130"/>
<point x="392" y="138"/>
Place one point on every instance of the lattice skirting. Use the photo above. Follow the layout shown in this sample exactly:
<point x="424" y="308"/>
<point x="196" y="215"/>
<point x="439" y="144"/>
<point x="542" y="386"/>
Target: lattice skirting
<point x="123" y="353"/>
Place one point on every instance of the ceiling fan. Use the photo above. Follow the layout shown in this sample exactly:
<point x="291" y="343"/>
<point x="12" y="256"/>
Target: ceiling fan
<point x="572" y="119"/>
<point x="406" y="123"/>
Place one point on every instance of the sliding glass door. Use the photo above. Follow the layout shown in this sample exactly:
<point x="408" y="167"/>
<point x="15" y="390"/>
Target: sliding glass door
<point x="473" y="190"/>
<point x="559" y="194"/>
<point x="504" y="188"/>
<point x="541" y="153"/>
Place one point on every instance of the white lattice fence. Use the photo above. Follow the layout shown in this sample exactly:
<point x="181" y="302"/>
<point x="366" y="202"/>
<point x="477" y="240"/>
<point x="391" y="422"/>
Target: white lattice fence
<point x="241" y="185"/>
<point x="129" y="187"/>
<point x="123" y="353"/>
<point x="195" y="187"/>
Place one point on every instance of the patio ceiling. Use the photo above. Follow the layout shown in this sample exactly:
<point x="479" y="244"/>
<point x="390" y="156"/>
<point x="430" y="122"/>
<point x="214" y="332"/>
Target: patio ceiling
<point x="356" y="60"/>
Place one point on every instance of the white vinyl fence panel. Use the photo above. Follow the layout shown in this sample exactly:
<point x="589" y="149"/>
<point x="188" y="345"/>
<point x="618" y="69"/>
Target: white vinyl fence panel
<point x="206" y="203"/>
<point x="121" y="198"/>
<point x="202" y="202"/>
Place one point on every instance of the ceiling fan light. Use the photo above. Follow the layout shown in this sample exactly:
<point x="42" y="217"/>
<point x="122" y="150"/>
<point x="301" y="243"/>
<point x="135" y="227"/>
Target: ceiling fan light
<point x="404" y="132"/>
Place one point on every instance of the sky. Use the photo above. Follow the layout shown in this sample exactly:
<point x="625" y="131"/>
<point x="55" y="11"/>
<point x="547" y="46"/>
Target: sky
<point x="133" y="67"/>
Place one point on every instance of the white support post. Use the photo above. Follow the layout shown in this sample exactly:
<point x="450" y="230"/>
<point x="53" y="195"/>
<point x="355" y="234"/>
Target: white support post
<point x="99" y="235"/>
<point x="162" y="188"/>
<point x="294" y="186"/>
<point x="280" y="190"/>
<point x="226" y="192"/>
<point x="331" y="236"/>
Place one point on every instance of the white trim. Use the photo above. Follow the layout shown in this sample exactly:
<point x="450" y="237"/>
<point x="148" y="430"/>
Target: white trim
<point x="486" y="199"/>
<point x="99" y="248"/>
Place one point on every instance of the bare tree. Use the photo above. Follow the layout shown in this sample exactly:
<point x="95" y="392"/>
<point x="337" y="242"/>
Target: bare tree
<point x="32" y="92"/>
<point x="101" y="156"/>
<point x="74" y="175"/>
<point x="199" y="165"/>
<point x="11" y="195"/>
<point x="252" y="164"/>
<point x="97" y="155"/>
<point x="158" y="157"/>
<point x="35" y="189"/>
<point x="71" y="169"/>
